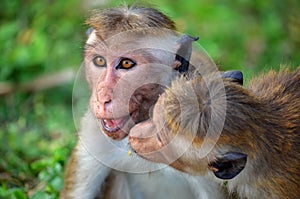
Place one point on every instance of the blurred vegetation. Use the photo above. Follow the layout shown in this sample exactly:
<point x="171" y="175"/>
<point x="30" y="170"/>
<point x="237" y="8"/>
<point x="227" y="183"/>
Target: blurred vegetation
<point x="37" y="38"/>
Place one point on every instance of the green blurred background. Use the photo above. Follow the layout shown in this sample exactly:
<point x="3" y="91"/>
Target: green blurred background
<point x="41" y="47"/>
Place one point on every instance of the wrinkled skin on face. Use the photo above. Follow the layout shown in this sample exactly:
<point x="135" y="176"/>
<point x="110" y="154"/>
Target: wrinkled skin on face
<point x="115" y="122"/>
<point x="120" y="99"/>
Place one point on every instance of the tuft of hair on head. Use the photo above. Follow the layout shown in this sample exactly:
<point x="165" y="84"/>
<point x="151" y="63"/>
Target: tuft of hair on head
<point x="107" y="22"/>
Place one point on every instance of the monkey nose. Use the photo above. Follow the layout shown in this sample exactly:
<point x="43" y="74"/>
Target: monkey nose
<point x="103" y="111"/>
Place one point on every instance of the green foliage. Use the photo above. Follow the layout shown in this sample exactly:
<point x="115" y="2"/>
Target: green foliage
<point x="35" y="143"/>
<point x="37" y="132"/>
<point x="41" y="37"/>
<point x="38" y="37"/>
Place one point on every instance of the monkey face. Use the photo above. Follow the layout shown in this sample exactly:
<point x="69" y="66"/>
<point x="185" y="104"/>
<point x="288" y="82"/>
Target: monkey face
<point x="120" y="99"/>
<point x="126" y="76"/>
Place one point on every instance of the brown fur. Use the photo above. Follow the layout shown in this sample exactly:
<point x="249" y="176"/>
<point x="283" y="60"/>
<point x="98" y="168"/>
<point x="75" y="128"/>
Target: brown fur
<point x="69" y="185"/>
<point x="115" y="20"/>
<point x="262" y="121"/>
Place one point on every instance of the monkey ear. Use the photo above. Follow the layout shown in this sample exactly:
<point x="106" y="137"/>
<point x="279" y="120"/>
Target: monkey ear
<point x="229" y="165"/>
<point x="184" y="52"/>
<point x="234" y="75"/>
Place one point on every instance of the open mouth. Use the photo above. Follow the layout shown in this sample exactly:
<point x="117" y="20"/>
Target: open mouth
<point x="114" y="125"/>
<point x="116" y="128"/>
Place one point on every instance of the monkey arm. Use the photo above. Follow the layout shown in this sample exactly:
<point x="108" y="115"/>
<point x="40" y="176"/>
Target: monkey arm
<point x="145" y="139"/>
<point x="153" y="139"/>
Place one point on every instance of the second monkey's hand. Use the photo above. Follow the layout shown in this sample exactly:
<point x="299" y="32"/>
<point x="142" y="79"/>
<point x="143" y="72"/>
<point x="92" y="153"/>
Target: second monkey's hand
<point x="150" y="138"/>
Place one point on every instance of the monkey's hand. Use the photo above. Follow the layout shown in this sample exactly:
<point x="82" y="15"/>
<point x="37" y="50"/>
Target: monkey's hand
<point x="151" y="138"/>
<point x="145" y="141"/>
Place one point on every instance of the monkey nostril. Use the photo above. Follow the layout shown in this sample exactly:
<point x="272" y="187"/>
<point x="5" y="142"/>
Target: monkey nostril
<point x="107" y="101"/>
<point x="108" y="105"/>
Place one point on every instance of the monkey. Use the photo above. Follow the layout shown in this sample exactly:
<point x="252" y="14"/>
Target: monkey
<point x="256" y="149"/>
<point x="131" y="55"/>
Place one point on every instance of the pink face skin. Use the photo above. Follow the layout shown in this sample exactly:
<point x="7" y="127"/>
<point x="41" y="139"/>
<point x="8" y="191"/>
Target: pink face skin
<point x="124" y="85"/>
<point x="117" y="112"/>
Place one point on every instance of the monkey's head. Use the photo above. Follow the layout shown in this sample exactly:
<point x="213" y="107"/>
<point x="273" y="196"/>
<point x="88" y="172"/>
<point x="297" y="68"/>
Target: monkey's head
<point x="200" y="125"/>
<point x="131" y="54"/>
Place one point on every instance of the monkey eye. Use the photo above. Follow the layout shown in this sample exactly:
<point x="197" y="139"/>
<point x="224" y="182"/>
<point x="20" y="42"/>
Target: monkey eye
<point x="126" y="63"/>
<point x="99" y="61"/>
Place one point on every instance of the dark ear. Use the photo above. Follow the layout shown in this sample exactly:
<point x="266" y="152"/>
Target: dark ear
<point x="184" y="52"/>
<point x="89" y="31"/>
<point x="234" y="75"/>
<point x="229" y="165"/>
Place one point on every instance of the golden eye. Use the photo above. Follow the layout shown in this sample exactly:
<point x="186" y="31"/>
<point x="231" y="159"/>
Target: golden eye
<point x="126" y="64"/>
<point x="99" y="61"/>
